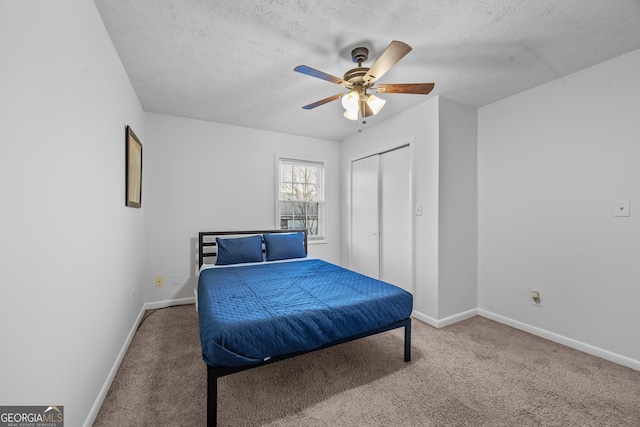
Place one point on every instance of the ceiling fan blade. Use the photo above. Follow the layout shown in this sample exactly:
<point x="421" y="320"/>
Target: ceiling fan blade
<point x="319" y="74"/>
<point x="322" y="101"/>
<point x="416" y="88"/>
<point x="392" y="54"/>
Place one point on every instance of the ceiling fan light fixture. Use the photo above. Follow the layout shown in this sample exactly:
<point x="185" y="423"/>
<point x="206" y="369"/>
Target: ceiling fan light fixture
<point x="350" y="101"/>
<point x="375" y="103"/>
<point x="351" y="115"/>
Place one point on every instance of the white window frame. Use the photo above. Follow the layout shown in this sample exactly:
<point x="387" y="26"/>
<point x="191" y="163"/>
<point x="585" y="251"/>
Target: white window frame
<point x="320" y="237"/>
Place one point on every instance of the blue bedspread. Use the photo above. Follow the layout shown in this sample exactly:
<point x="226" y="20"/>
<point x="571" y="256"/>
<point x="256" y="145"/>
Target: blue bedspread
<point x="251" y="313"/>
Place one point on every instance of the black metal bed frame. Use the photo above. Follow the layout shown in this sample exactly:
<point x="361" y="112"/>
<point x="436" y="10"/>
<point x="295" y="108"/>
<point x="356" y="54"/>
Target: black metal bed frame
<point x="213" y="373"/>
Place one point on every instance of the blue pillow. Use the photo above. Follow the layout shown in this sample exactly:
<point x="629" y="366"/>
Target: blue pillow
<point x="284" y="246"/>
<point x="239" y="250"/>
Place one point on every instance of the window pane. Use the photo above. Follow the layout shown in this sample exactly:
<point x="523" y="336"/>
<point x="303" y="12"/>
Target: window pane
<point x="286" y="209"/>
<point x="312" y="192"/>
<point x="299" y="173"/>
<point x="312" y="175"/>
<point x="285" y="171"/>
<point x="285" y="191"/>
<point x="298" y="191"/>
<point x="312" y="210"/>
<point x="298" y="210"/>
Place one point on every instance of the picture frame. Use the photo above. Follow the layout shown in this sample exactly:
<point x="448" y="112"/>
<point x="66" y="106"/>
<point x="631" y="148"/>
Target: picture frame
<point x="133" y="169"/>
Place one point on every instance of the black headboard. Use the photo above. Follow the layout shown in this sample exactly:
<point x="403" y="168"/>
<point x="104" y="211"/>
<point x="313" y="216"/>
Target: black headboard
<point x="207" y="240"/>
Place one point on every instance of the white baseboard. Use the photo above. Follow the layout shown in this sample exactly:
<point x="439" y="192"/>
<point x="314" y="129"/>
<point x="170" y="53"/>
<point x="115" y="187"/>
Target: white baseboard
<point x="169" y="303"/>
<point x="426" y="319"/>
<point x="116" y="365"/>
<point x="450" y="320"/>
<point x="112" y="374"/>
<point x="551" y="336"/>
<point x="569" y="342"/>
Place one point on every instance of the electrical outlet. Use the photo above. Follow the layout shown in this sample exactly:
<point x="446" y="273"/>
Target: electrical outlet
<point x="159" y="281"/>
<point x="536" y="298"/>
<point x="177" y="279"/>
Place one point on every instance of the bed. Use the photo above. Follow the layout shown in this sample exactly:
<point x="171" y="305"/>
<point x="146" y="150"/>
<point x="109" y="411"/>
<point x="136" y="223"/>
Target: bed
<point x="260" y="300"/>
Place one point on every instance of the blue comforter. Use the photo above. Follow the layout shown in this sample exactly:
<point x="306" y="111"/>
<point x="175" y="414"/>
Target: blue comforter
<point x="250" y="313"/>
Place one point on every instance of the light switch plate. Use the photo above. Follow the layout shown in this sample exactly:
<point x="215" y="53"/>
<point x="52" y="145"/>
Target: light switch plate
<point x="419" y="209"/>
<point x="621" y="208"/>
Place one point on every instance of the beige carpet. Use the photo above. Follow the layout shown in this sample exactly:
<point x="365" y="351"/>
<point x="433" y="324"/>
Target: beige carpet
<point x="474" y="373"/>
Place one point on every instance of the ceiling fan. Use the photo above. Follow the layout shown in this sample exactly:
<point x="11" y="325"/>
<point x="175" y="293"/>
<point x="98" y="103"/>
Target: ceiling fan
<point x="361" y="79"/>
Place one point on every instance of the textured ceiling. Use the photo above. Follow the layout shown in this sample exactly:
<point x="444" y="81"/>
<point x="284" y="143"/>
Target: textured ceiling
<point x="232" y="61"/>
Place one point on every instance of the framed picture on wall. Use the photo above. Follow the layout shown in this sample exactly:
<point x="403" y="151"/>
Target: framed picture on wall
<point x="133" y="169"/>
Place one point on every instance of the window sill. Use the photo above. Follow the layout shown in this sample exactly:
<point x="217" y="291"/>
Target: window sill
<point x="322" y="241"/>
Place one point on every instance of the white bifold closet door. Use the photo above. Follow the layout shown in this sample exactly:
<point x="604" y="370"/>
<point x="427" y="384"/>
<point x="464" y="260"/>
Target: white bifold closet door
<point x="381" y="217"/>
<point x="365" y="216"/>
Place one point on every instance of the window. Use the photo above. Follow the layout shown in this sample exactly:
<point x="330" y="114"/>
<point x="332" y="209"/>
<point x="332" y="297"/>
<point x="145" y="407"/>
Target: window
<point x="300" y="203"/>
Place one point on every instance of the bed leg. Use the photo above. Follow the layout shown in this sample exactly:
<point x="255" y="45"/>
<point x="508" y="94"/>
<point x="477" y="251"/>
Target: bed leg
<point x="407" y="341"/>
<point x="212" y="399"/>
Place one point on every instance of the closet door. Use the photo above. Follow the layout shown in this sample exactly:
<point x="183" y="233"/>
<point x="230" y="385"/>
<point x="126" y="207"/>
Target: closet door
<point x="365" y="216"/>
<point x="396" y="219"/>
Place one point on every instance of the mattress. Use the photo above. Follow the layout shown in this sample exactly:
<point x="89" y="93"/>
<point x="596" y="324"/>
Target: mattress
<point x="250" y="313"/>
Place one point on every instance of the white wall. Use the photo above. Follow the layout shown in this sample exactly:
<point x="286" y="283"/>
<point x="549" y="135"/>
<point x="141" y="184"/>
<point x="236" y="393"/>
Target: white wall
<point x="72" y="253"/>
<point x="206" y="176"/>
<point x="552" y="161"/>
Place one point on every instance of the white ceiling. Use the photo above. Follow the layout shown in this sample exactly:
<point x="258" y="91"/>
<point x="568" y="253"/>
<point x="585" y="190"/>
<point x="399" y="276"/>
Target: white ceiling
<point x="232" y="61"/>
